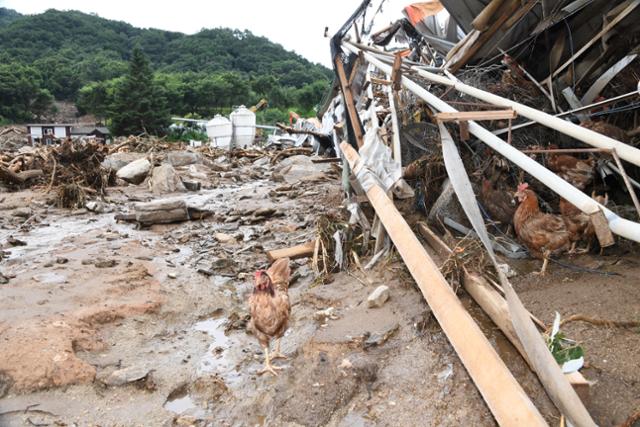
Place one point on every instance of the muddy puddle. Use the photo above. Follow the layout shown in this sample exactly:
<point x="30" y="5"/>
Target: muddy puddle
<point x="182" y="403"/>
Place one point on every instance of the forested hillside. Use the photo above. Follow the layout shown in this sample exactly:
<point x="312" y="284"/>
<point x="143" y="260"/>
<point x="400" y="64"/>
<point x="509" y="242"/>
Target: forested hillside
<point x="78" y="57"/>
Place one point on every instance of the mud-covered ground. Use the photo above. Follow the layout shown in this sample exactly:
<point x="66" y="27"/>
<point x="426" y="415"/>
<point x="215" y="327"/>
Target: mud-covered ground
<point x="105" y="324"/>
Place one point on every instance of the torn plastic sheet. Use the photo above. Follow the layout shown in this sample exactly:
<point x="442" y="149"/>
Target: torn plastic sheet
<point x="358" y="217"/>
<point x="378" y="166"/>
<point x="543" y="362"/>
<point x="339" y="258"/>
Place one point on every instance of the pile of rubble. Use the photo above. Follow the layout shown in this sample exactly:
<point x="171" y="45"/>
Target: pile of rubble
<point x="13" y="138"/>
<point x="461" y="104"/>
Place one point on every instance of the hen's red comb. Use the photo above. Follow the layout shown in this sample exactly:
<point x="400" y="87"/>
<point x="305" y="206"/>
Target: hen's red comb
<point x="259" y="273"/>
<point x="523" y="186"/>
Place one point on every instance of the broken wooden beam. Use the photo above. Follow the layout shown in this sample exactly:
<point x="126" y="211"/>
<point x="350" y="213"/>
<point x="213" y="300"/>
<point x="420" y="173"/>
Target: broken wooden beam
<point x="481" y="21"/>
<point x="396" y="72"/>
<point x="504" y="396"/>
<point x="349" y="103"/>
<point x="294" y="252"/>
<point x="477" y="115"/>
<point x="383" y="82"/>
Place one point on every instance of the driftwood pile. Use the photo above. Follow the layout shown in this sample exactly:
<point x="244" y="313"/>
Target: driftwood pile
<point x="143" y="144"/>
<point x="70" y="163"/>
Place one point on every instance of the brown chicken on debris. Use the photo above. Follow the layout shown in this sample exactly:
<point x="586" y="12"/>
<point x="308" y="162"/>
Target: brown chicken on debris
<point x="543" y="234"/>
<point x="579" y="224"/>
<point x="499" y="204"/>
<point x="270" y="309"/>
<point x="578" y="172"/>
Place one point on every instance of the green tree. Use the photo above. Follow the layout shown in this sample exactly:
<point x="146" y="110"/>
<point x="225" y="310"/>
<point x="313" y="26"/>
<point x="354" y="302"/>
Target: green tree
<point x="97" y="98"/>
<point x="139" y="105"/>
<point x="310" y="95"/>
<point x="21" y="96"/>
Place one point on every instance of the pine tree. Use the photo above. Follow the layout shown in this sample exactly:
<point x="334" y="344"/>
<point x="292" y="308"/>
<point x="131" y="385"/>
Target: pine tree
<point x="139" y="105"/>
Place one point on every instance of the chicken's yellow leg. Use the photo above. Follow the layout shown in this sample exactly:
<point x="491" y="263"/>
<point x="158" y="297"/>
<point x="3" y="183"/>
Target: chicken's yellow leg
<point x="268" y="367"/>
<point x="278" y="354"/>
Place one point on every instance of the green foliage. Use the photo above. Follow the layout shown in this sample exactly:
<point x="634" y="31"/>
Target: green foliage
<point x="7" y="16"/>
<point x="186" y="135"/>
<point x="84" y="58"/>
<point x="271" y="116"/>
<point x="96" y="98"/>
<point x="21" y="96"/>
<point x="564" y="350"/>
<point x="138" y="105"/>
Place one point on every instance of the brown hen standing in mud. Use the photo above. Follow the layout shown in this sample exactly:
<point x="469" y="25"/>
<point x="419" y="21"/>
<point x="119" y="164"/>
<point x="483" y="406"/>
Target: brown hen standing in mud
<point x="270" y="309"/>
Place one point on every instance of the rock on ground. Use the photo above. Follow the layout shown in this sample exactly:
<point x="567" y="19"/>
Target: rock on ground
<point x="135" y="172"/>
<point x="300" y="167"/>
<point x="117" y="161"/>
<point x="378" y="297"/>
<point x="164" y="179"/>
<point x="183" y="158"/>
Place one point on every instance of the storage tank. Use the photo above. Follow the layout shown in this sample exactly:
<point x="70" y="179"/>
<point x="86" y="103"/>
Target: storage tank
<point x="220" y="131"/>
<point x="244" y="127"/>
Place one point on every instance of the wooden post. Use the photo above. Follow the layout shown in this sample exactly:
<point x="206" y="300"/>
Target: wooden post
<point x="396" y="72"/>
<point x="505" y="398"/>
<point x="395" y="126"/>
<point x="348" y="102"/>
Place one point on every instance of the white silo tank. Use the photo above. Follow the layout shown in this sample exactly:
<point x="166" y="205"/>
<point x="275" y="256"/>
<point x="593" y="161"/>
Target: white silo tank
<point x="220" y="131"/>
<point x="244" y="127"/>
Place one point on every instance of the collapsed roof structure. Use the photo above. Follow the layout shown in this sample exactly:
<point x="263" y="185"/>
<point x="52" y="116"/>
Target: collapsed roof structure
<point x="428" y="106"/>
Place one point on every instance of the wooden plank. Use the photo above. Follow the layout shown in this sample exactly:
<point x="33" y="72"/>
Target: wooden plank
<point x="396" y="72"/>
<point x="348" y="102"/>
<point x="354" y="70"/>
<point x="507" y="9"/>
<point x="294" y="252"/>
<point x="395" y="125"/>
<point x="481" y="21"/>
<point x="602" y="230"/>
<point x="477" y="115"/>
<point x="504" y="396"/>
<point x="496" y="308"/>
<point x="378" y="81"/>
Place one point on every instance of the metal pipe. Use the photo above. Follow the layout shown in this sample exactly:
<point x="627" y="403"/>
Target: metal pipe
<point x="576" y="110"/>
<point x="620" y="226"/>
<point x="595" y="139"/>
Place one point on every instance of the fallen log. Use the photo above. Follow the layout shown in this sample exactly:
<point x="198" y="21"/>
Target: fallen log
<point x="504" y="396"/>
<point x="299" y="251"/>
<point x="8" y="175"/>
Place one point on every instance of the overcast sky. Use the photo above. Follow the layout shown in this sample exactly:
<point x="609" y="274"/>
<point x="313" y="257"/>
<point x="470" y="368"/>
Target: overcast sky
<point x="297" y="25"/>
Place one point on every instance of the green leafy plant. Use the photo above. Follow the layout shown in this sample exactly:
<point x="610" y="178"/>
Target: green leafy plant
<point x="568" y="354"/>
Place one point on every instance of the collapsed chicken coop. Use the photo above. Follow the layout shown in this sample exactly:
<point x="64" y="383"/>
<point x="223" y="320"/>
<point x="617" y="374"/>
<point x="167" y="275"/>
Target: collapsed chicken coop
<point x="447" y="118"/>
